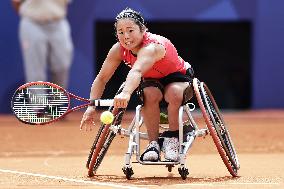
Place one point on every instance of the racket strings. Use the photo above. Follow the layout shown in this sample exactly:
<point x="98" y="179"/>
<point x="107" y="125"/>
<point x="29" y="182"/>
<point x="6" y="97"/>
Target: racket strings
<point x="40" y="103"/>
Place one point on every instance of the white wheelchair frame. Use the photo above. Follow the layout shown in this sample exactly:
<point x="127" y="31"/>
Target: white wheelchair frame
<point x="135" y="135"/>
<point x="215" y="125"/>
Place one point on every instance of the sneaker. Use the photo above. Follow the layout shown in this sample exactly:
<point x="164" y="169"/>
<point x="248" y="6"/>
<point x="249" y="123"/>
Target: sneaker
<point x="171" y="148"/>
<point x="152" y="152"/>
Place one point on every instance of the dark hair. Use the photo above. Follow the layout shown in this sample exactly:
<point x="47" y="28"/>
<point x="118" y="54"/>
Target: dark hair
<point x="132" y="14"/>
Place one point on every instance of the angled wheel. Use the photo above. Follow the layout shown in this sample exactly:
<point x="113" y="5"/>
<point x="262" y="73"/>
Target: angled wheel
<point x="183" y="172"/>
<point x="128" y="171"/>
<point x="216" y="127"/>
<point x="102" y="143"/>
<point x="103" y="140"/>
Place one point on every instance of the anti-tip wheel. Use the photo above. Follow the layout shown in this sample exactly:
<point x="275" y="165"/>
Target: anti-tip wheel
<point x="183" y="172"/>
<point x="128" y="172"/>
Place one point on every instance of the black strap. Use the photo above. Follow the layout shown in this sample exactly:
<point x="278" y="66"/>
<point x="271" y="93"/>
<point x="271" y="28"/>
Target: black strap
<point x="148" y="150"/>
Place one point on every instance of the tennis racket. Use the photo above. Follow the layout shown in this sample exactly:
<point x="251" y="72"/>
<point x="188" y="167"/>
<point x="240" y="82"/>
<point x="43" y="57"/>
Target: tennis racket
<point x="40" y="103"/>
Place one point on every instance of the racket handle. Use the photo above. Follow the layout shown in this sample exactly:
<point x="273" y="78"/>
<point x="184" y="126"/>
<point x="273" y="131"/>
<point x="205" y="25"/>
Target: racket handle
<point x="102" y="102"/>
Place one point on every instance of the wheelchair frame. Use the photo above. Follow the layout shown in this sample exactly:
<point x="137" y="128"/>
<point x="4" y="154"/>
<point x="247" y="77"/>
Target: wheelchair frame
<point x="215" y="125"/>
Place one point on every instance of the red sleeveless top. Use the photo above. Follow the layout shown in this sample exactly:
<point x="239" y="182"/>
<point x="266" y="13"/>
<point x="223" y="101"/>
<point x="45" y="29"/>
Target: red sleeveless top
<point x="170" y="63"/>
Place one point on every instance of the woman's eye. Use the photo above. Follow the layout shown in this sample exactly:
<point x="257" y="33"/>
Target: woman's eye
<point x="120" y="33"/>
<point x="130" y="31"/>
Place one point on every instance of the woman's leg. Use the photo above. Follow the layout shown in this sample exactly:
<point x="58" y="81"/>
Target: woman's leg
<point x="174" y="97"/>
<point x="151" y="111"/>
<point x="151" y="114"/>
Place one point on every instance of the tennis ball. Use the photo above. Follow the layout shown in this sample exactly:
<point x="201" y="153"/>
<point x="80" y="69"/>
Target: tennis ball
<point x="106" y="117"/>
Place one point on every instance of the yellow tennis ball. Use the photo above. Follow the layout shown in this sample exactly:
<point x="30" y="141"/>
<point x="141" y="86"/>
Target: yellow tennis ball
<point x="106" y="117"/>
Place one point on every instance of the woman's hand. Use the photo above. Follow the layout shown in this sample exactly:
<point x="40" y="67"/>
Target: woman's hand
<point x="121" y="100"/>
<point x="88" y="118"/>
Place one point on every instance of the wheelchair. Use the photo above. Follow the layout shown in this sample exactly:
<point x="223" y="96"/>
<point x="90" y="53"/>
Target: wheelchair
<point x="188" y="131"/>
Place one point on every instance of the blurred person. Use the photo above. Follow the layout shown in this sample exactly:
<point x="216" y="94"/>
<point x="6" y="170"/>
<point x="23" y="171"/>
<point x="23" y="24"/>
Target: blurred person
<point x="45" y="39"/>
<point x="156" y="69"/>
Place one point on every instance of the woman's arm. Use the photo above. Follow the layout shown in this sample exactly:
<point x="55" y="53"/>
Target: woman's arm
<point x="108" y="68"/>
<point x="146" y="58"/>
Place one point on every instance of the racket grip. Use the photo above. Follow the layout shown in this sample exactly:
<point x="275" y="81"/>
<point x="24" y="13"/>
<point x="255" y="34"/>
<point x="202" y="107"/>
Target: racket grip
<point x="102" y="102"/>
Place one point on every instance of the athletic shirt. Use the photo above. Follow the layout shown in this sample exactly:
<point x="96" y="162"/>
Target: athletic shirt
<point x="170" y="63"/>
<point x="44" y="10"/>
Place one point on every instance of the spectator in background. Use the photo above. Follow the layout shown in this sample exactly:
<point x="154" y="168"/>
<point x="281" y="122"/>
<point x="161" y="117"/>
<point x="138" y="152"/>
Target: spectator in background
<point x="45" y="40"/>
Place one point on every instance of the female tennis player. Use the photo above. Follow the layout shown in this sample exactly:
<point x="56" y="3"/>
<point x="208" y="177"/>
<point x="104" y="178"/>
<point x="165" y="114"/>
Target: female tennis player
<point x="156" y="69"/>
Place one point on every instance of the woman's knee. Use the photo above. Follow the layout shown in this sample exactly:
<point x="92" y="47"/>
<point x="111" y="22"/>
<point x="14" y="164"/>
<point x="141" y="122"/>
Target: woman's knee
<point x="152" y="95"/>
<point x="174" y="94"/>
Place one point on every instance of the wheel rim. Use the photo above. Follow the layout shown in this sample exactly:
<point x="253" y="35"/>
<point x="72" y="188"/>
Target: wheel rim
<point x="228" y="161"/>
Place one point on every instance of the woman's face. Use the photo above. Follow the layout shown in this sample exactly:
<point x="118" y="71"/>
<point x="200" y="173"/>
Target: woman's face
<point x="129" y="34"/>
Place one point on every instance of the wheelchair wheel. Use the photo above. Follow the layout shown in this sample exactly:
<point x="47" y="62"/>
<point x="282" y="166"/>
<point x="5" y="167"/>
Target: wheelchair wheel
<point x="217" y="127"/>
<point x="94" y="145"/>
<point x="102" y="143"/>
<point x="103" y="140"/>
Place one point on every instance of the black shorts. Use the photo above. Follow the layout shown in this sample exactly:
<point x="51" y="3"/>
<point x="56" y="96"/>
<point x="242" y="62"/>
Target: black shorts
<point x="171" y="78"/>
<point x="177" y="77"/>
<point x="163" y="82"/>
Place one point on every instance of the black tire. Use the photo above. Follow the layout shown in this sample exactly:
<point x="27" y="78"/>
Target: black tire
<point x="103" y="140"/>
<point x="104" y="150"/>
<point x="94" y="145"/>
<point x="217" y="127"/>
<point x="102" y="143"/>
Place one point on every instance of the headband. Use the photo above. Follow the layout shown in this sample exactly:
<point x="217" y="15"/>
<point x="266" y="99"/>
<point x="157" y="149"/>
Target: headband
<point x="129" y="13"/>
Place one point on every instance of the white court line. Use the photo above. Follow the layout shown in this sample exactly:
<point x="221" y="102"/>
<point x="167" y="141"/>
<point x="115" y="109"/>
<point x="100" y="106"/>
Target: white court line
<point x="226" y="184"/>
<point x="70" y="179"/>
<point x="257" y="183"/>
<point x="129" y="187"/>
<point x="51" y="152"/>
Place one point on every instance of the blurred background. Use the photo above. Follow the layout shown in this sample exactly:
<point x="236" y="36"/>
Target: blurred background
<point x="235" y="46"/>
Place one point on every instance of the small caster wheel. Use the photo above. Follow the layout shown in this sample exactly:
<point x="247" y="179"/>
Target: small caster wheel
<point x="128" y="172"/>
<point x="170" y="167"/>
<point x="183" y="172"/>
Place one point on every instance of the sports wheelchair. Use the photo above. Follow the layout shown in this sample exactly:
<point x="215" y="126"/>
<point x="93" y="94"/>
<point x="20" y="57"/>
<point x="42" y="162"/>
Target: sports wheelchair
<point x="188" y="131"/>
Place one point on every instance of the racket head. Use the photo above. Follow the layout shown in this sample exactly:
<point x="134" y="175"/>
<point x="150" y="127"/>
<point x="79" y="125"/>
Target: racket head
<point x="39" y="103"/>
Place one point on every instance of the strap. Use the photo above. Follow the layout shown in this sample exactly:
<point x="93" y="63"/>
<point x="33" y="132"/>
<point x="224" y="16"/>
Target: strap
<point x="148" y="150"/>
